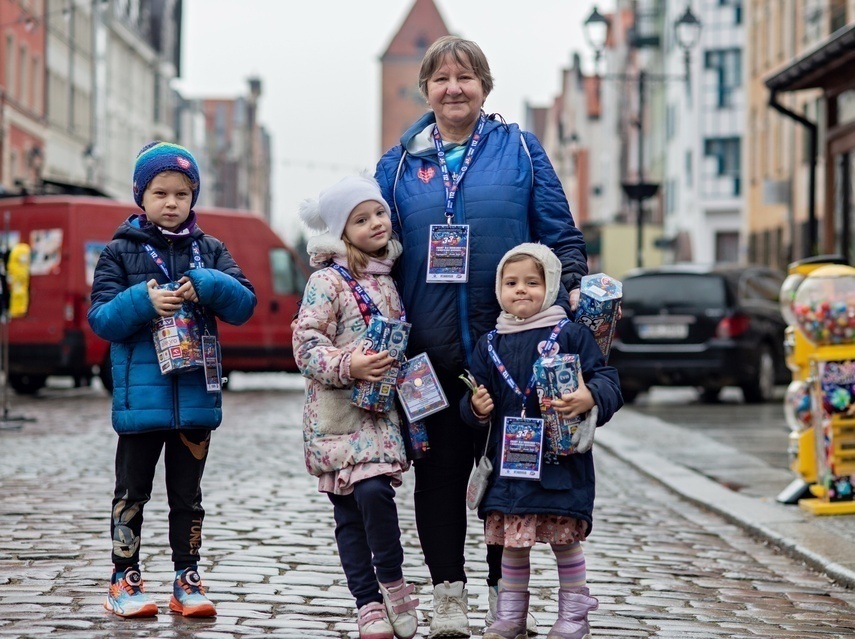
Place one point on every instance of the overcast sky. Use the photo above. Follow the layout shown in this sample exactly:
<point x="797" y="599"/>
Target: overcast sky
<point x="319" y="64"/>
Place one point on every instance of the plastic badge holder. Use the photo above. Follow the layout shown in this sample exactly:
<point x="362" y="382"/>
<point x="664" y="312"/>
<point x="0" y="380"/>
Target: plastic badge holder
<point x="382" y="334"/>
<point x="177" y="339"/>
<point x="599" y="303"/>
<point x="556" y="375"/>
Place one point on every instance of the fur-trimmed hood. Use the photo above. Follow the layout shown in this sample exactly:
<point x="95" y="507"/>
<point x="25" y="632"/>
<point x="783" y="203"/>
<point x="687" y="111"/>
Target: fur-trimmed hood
<point x="323" y="248"/>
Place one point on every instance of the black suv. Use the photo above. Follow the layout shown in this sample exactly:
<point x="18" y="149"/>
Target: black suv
<point x="703" y="326"/>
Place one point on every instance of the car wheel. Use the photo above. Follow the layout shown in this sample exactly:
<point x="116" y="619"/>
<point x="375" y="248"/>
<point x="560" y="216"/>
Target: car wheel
<point x="105" y="372"/>
<point x="25" y="384"/>
<point x="710" y="394"/>
<point x="762" y="388"/>
<point x="629" y="395"/>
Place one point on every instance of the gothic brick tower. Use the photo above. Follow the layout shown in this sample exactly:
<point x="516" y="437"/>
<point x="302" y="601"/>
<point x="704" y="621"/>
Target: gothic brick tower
<point x="402" y="104"/>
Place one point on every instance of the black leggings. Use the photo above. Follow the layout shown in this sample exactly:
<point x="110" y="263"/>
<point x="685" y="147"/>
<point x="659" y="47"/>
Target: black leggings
<point x="440" y="492"/>
<point x="136" y="460"/>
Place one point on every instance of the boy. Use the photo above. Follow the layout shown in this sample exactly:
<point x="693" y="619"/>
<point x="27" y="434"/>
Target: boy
<point x="151" y="410"/>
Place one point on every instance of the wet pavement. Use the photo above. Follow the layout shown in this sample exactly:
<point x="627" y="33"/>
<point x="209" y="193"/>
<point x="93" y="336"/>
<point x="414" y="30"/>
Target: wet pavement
<point x="661" y="565"/>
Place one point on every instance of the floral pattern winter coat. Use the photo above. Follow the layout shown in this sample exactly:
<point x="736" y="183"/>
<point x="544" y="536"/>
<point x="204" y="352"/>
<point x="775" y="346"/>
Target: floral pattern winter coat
<point x="336" y="434"/>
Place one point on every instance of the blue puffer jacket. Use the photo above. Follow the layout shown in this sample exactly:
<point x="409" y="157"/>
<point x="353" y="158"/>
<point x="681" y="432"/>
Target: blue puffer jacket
<point x="510" y="195"/>
<point x="565" y="488"/>
<point x="121" y="312"/>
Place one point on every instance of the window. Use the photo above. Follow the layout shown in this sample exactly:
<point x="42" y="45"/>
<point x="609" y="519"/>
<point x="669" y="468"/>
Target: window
<point x="727" y="246"/>
<point x="23" y="76"/>
<point x="727" y="63"/>
<point x="726" y="151"/>
<point x="288" y="279"/>
<point x="10" y="64"/>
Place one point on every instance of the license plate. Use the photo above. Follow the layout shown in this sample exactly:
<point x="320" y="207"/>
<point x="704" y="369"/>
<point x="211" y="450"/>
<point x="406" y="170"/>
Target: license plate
<point x="663" y="331"/>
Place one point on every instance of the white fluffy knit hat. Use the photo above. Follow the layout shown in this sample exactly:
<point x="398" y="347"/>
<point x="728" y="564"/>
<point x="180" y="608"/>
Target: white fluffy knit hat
<point x="330" y="211"/>
<point x="551" y="270"/>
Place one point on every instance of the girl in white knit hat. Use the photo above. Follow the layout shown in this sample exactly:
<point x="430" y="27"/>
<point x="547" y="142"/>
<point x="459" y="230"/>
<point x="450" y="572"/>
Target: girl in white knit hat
<point x="551" y="500"/>
<point x="357" y="455"/>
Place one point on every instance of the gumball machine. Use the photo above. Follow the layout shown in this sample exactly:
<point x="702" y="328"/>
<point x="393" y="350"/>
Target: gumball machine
<point x="797" y="402"/>
<point x="823" y="309"/>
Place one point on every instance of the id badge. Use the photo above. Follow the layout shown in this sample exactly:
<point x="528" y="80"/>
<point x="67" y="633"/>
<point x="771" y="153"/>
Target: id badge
<point x="211" y="362"/>
<point x="448" y="253"/>
<point x="522" y="445"/>
<point x="419" y="389"/>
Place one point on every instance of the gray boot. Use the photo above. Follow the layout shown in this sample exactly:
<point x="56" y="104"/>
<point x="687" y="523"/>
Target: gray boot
<point x="511" y="612"/>
<point x="573" y="608"/>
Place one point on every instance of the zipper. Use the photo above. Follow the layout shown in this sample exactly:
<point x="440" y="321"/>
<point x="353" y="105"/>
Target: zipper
<point x="462" y="297"/>
<point x="176" y="419"/>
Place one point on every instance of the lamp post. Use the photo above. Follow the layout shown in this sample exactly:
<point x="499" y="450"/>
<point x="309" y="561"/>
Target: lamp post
<point x="687" y="33"/>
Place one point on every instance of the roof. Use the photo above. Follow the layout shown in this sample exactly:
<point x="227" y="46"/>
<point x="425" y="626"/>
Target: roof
<point x="828" y="64"/>
<point x="422" y="26"/>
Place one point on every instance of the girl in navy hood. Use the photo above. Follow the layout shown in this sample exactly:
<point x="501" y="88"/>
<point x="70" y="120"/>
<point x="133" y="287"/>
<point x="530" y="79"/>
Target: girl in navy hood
<point x="557" y="507"/>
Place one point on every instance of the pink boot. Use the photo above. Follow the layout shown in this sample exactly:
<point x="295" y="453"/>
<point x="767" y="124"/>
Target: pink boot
<point x="511" y="613"/>
<point x="573" y="608"/>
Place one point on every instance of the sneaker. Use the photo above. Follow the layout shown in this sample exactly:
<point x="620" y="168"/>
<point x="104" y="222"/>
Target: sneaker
<point x="188" y="595"/>
<point x="127" y="597"/>
<point x="401" y="608"/>
<point x="374" y="623"/>
<point x="450" y="610"/>
<point x="490" y="617"/>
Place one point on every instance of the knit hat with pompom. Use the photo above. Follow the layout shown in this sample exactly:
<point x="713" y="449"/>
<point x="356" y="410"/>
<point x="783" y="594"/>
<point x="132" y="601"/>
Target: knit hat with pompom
<point x="157" y="157"/>
<point x="329" y="213"/>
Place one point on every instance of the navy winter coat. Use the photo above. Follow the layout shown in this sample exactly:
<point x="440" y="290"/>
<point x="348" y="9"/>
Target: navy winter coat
<point x="510" y="195"/>
<point x="565" y="488"/>
<point x="122" y="312"/>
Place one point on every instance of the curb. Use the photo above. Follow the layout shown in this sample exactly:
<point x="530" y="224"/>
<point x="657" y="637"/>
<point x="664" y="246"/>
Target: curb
<point x="777" y="524"/>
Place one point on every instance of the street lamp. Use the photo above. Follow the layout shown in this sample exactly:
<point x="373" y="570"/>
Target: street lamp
<point x="687" y="33"/>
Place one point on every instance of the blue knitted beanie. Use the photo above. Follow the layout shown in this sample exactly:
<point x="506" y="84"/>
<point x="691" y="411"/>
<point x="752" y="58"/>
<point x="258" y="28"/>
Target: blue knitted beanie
<point x="157" y="157"/>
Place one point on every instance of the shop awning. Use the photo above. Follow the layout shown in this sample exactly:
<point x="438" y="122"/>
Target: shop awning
<point x="827" y="65"/>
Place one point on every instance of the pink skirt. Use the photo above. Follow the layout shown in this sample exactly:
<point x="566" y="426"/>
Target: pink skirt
<point x="523" y="531"/>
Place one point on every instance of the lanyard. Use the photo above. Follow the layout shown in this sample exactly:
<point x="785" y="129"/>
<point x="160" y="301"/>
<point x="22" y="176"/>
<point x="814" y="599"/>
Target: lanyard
<point x="366" y="305"/>
<point x="504" y="371"/>
<point x="197" y="258"/>
<point x="452" y="184"/>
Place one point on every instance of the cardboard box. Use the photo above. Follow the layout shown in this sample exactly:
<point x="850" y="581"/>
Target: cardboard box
<point x="382" y="334"/>
<point x="599" y="304"/>
<point x="556" y="375"/>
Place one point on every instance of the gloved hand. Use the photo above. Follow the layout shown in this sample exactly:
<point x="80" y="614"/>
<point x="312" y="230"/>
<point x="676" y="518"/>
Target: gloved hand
<point x="583" y="438"/>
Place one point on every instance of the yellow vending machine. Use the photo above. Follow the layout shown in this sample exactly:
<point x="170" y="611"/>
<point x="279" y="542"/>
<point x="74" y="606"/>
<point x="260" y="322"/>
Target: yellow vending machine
<point x="824" y="311"/>
<point x="797" y="403"/>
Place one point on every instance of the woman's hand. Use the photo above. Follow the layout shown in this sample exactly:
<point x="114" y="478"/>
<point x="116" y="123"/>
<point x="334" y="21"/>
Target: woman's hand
<point x="481" y="403"/>
<point x="576" y="403"/>
<point x="166" y="303"/>
<point x="370" y="367"/>
<point x="574" y="298"/>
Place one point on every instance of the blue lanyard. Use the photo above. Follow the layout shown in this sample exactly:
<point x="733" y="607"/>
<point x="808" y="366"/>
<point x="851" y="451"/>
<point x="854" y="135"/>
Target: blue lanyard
<point x="504" y="371"/>
<point x="366" y="305"/>
<point x="197" y="258"/>
<point x="452" y="184"/>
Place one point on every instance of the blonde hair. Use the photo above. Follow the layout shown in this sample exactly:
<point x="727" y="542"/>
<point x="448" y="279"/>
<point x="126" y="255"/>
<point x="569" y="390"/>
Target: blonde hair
<point x="190" y="183"/>
<point x="465" y="52"/>
<point x="357" y="259"/>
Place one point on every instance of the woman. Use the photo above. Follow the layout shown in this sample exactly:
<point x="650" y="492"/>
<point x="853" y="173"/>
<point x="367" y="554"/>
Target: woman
<point x="510" y="195"/>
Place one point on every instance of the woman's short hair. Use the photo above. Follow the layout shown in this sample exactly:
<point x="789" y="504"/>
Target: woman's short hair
<point x="465" y="52"/>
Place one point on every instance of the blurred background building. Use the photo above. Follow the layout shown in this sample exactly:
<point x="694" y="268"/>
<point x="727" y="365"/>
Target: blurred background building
<point x="84" y="84"/>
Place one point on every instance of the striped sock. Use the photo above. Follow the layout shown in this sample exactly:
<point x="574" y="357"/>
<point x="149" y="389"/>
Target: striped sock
<point x="516" y="569"/>
<point x="571" y="566"/>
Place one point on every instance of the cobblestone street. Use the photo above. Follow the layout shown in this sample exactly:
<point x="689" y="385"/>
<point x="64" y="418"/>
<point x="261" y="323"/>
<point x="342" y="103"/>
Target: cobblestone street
<point x="660" y="566"/>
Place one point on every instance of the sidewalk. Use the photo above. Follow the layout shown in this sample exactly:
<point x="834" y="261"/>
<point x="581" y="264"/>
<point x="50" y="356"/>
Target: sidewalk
<point x="701" y="469"/>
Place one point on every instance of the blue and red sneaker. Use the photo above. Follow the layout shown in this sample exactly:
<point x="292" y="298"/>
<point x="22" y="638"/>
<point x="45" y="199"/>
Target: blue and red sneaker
<point x="127" y="597"/>
<point x="188" y="595"/>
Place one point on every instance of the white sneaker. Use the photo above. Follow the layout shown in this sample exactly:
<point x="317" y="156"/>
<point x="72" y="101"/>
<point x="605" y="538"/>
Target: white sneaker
<point x="401" y="609"/>
<point x="492" y="598"/>
<point x="450" y="611"/>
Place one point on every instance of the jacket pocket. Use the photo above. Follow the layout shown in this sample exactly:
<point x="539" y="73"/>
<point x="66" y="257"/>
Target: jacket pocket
<point x="336" y="415"/>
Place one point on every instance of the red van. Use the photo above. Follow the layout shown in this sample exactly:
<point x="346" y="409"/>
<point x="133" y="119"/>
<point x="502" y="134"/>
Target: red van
<point x="66" y="234"/>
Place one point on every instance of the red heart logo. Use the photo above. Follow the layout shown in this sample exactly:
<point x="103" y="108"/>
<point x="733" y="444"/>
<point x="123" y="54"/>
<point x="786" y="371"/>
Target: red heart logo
<point x="426" y="174"/>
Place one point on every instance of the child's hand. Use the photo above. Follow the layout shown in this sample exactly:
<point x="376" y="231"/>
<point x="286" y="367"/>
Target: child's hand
<point x="186" y="290"/>
<point x="166" y="303"/>
<point x="576" y="403"/>
<point x="369" y="367"/>
<point x="481" y="402"/>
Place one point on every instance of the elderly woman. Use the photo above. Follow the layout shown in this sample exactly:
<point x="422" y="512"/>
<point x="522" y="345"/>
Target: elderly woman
<point x="461" y="178"/>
